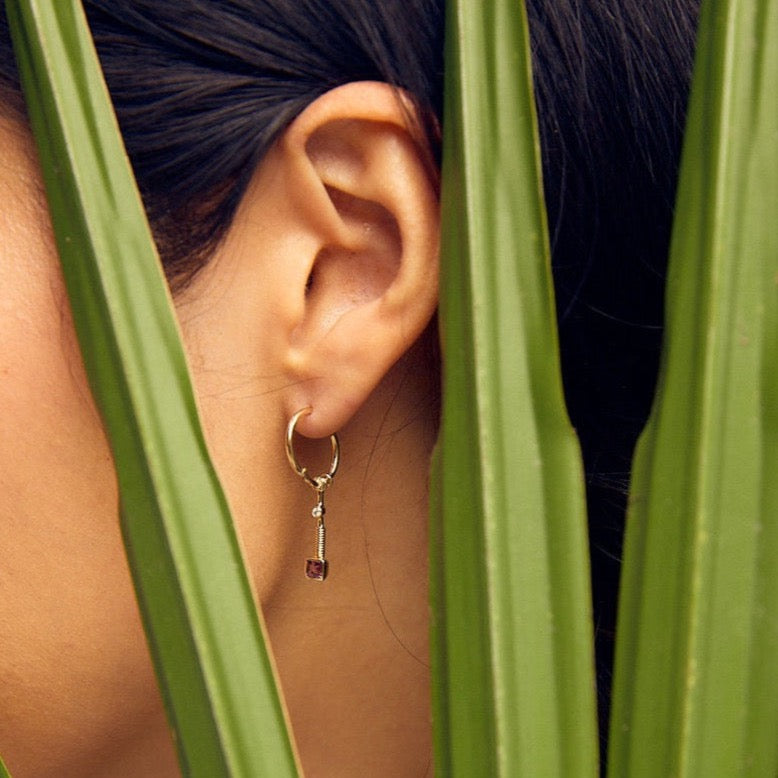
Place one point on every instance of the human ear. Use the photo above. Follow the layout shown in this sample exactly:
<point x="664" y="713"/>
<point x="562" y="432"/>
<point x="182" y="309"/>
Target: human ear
<point x="361" y="191"/>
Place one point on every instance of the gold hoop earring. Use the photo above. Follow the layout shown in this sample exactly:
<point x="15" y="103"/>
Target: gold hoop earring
<point x="316" y="567"/>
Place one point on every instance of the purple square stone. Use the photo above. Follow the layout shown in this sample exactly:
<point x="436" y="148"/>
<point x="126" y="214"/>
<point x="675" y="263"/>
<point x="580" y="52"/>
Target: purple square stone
<point x="316" y="569"/>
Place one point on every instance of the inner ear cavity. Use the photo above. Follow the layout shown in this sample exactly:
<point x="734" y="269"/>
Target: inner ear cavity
<point x="346" y="276"/>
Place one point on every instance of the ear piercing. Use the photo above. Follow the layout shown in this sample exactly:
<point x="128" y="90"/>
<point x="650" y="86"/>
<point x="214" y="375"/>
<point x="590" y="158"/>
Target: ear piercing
<point x="315" y="567"/>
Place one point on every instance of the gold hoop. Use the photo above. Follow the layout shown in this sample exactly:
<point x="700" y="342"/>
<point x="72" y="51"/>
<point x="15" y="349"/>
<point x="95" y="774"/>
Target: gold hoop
<point x="323" y="481"/>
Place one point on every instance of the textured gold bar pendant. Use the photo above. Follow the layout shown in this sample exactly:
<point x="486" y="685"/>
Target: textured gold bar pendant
<point x="316" y="568"/>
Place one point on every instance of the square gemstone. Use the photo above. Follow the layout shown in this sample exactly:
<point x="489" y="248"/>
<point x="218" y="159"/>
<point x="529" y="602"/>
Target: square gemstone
<point x="316" y="569"/>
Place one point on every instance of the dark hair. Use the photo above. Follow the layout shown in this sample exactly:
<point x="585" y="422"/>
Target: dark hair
<point x="203" y="87"/>
<point x="611" y="80"/>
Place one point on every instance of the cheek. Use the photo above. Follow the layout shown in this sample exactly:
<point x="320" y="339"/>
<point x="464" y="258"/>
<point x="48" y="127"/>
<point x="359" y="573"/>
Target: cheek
<point x="73" y="650"/>
<point x="55" y="473"/>
<point x="58" y="496"/>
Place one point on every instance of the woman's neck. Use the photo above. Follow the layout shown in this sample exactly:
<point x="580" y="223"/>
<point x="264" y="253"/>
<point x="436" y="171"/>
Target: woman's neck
<point x="352" y="651"/>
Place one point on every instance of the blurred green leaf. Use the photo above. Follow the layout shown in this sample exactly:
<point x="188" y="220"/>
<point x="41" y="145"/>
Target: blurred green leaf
<point x="696" y="686"/>
<point x="512" y="636"/>
<point x="4" y="770"/>
<point x="194" y="595"/>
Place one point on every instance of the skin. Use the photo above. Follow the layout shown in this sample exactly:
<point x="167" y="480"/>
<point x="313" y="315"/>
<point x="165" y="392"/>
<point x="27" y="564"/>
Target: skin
<point x="319" y="296"/>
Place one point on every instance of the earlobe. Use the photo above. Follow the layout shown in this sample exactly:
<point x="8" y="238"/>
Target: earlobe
<point x="371" y="283"/>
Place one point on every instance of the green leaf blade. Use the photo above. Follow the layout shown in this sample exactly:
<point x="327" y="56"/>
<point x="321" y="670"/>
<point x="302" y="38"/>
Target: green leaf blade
<point x="512" y="642"/>
<point x="197" y="604"/>
<point x="694" y="693"/>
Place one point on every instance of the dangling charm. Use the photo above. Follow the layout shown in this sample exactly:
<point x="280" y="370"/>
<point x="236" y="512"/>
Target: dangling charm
<point x="316" y="567"/>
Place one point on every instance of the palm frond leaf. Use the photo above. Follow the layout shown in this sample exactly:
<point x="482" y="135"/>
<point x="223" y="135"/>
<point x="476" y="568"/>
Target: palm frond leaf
<point x="206" y="640"/>
<point x="512" y="642"/>
<point x="696" y="686"/>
